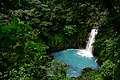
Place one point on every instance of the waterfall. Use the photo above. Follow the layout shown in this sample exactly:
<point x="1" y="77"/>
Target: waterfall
<point x="87" y="52"/>
<point x="78" y="59"/>
<point x="91" y="40"/>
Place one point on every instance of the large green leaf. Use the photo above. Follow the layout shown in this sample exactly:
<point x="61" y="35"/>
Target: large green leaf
<point x="22" y="24"/>
<point x="14" y="22"/>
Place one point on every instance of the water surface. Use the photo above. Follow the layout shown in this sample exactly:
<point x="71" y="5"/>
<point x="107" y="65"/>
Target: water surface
<point x="76" y="62"/>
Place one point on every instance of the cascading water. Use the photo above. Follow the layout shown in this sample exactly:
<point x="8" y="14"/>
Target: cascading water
<point x="78" y="59"/>
<point x="87" y="52"/>
<point x="91" y="40"/>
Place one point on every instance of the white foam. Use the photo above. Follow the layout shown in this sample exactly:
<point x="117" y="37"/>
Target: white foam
<point x="87" y="52"/>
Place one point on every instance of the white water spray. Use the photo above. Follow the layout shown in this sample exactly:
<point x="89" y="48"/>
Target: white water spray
<point x="89" y="47"/>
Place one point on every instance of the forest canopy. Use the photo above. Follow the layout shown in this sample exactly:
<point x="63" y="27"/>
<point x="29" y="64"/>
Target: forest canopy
<point x="30" y="30"/>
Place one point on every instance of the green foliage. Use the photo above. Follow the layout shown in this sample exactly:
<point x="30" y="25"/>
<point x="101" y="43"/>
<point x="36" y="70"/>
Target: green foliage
<point x="56" y="39"/>
<point x="107" y="50"/>
<point x="57" y="24"/>
<point x="20" y="46"/>
<point x="108" y="70"/>
<point x="91" y="75"/>
<point x="70" y="29"/>
<point x="68" y="18"/>
<point x="16" y="25"/>
<point x="56" y="71"/>
<point x="35" y="70"/>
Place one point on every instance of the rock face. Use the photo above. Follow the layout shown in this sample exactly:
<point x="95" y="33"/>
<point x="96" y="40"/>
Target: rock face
<point x="75" y="45"/>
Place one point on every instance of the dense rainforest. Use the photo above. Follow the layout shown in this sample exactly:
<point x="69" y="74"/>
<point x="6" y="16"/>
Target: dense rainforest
<point x="30" y="30"/>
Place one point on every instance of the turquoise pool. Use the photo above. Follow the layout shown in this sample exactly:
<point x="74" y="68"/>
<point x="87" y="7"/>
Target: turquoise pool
<point x="76" y="62"/>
